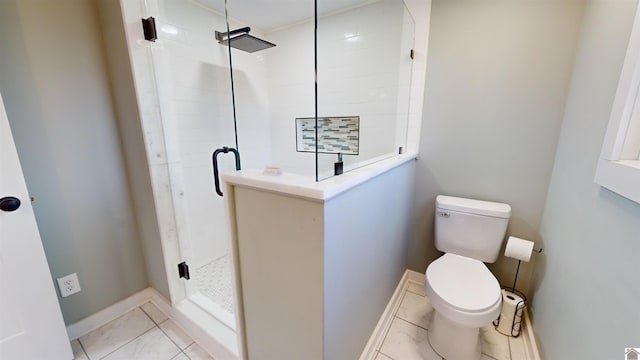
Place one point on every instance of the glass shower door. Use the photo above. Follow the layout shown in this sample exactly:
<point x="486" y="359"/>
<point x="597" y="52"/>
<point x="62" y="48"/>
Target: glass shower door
<point x="195" y="100"/>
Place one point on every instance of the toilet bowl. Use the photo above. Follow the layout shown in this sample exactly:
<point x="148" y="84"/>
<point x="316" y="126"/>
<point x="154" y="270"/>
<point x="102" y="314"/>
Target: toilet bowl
<point x="465" y="296"/>
<point x="464" y="293"/>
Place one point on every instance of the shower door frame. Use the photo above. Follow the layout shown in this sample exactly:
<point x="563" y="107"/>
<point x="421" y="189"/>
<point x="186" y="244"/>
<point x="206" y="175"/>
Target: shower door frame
<point x="223" y="338"/>
<point x="159" y="58"/>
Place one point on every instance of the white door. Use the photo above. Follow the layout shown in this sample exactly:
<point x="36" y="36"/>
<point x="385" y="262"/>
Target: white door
<point x="31" y="325"/>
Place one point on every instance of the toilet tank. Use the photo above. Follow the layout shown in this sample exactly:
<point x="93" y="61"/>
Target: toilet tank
<point x="471" y="228"/>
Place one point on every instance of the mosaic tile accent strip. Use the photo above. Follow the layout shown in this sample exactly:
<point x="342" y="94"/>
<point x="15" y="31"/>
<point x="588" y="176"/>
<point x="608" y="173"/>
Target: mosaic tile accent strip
<point x="336" y="135"/>
<point x="213" y="280"/>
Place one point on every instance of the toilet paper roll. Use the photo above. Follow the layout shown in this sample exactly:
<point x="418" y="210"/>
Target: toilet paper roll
<point x="511" y="314"/>
<point x="520" y="249"/>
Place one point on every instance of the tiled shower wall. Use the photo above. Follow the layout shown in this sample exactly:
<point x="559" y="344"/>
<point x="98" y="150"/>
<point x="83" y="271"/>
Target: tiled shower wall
<point x="364" y="70"/>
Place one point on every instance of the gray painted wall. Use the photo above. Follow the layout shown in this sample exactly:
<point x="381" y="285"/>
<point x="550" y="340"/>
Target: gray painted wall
<point x="497" y="76"/>
<point x="587" y="289"/>
<point x="53" y="78"/>
<point x="366" y="233"/>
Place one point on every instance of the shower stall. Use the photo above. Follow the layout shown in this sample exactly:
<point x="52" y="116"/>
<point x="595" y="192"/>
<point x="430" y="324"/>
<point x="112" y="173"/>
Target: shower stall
<point x="299" y="87"/>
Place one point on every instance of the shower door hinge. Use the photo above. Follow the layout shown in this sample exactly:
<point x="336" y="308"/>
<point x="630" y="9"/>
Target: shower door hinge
<point x="411" y="53"/>
<point x="149" y="28"/>
<point x="183" y="270"/>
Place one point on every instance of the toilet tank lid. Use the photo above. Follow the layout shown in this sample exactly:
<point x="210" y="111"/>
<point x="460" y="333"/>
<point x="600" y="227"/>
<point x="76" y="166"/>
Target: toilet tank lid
<point x="477" y="207"/>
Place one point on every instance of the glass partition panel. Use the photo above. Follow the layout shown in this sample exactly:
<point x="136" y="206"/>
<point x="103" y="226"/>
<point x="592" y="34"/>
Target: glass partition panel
<point x="364" y="55"/>
<point x="272" y="54"/>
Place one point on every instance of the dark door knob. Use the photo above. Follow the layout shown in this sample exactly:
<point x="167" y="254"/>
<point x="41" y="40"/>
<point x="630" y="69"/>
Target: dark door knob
<point x="9" y="203"/>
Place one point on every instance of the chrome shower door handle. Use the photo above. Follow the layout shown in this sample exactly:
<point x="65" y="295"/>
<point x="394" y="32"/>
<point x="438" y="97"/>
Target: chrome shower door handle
<point x="214" y="159"/>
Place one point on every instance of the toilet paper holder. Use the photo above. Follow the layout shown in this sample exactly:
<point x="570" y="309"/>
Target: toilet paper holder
<point x="516" y="323"/>
<point x="513" y="288"/>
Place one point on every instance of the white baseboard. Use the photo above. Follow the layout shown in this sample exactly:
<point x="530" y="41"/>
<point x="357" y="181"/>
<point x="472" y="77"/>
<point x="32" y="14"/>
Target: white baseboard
<point x="415" y="276"/>
<point x="375" y="341"/>
<point x="530" y="344"/>
<point x="104" y="316"/>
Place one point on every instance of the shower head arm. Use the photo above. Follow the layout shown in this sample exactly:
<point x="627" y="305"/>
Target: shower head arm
<point x="220" y="35"/>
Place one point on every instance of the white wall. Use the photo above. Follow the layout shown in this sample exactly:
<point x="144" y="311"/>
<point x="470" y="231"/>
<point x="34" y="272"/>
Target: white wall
<point x="291" y="94"/>
<point x="587" y="286"/>
<point x="54" y="81"/>
<point x="497" y="79"/>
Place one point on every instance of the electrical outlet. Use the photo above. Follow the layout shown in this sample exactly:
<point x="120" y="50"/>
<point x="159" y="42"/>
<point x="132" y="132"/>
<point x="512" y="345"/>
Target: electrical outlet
<point x="69" y="285"/>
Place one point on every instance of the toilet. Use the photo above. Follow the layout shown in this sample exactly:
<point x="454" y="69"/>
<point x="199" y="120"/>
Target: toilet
<point x="464" y="293"/>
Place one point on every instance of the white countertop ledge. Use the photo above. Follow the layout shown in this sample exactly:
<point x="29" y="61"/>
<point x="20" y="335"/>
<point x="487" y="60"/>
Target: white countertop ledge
<point x="306" y="186"/>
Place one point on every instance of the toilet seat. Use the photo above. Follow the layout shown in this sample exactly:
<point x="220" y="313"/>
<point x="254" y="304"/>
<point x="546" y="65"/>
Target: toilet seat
<point x="463" y="290"/>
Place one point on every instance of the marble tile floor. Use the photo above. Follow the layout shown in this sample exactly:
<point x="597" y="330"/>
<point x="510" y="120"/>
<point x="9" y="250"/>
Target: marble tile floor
<point x="147" y="333"/>
<point x="141" y="334"/>
<point x="406" y="338"/>
<point x="213" y="280"/>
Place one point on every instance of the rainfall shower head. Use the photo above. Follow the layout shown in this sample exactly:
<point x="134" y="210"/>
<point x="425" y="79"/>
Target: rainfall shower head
<point x="244" y="42"/>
